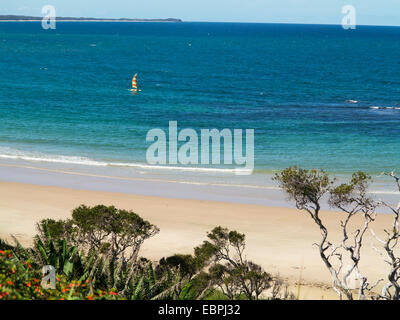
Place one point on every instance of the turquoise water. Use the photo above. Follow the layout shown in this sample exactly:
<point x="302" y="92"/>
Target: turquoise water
<point x="64" y="94"/>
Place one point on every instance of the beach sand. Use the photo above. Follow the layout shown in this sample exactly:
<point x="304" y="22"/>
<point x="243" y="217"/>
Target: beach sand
<point x="280" y="239"/>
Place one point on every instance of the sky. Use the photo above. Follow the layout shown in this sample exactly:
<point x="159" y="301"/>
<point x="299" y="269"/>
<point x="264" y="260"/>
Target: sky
<point x="368" y="12"/>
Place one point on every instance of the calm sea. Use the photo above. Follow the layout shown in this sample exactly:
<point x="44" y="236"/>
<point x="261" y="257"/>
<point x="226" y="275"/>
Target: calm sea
<point x="64" y="95"/>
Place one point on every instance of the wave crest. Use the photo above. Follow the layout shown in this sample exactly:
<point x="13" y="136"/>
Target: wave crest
<point x="13" y="154"/>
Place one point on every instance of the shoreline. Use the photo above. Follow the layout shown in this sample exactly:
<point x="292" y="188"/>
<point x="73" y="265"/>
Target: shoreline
<point x="280" y="239"/>
<point x="134" y="181"/>
<point x="215" y="186"/>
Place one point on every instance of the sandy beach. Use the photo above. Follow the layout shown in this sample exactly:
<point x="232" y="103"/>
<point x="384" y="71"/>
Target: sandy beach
<point x="280" y="239"/>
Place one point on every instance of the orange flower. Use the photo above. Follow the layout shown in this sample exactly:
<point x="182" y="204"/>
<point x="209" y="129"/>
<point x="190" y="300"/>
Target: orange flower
<point x="113" y="293"/>
<point x="2" y="252"/>
<point x="89" y="297"/>
<point x="28" y="284"/>
<point x="9" y="282"/>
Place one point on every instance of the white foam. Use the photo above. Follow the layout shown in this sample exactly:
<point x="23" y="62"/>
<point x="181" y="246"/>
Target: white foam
<point x="376" y="107"/>
<point x="8" y="153"/>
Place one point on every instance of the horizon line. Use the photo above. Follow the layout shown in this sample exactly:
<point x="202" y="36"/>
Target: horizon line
<point x="91" y="19"/>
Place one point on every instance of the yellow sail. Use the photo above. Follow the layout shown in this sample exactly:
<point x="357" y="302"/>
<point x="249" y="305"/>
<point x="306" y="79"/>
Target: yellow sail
<point x="134" y="82"/>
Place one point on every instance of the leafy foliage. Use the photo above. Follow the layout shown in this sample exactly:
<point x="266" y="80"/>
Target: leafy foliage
<point x="230" y="271"/>
<point x="95" y="254"/>
<point x="20" y="281"/>
<point x="305" y="187"/>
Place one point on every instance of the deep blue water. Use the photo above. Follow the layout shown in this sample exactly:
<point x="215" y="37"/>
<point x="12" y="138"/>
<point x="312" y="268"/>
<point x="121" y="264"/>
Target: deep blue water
<point x="64" y="92"/>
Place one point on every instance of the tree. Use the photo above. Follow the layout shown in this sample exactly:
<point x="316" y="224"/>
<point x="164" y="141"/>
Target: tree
<point x="108" y="236"/>
<point x="352" y="199"/>
<point x="232" y="273"/>
<point x="120" y="233"/>
<point x="391" y="290"/>
<point x="307" y="188"/>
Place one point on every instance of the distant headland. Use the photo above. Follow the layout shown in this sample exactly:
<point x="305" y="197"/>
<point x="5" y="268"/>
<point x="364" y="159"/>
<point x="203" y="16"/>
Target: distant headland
<point x="81" y="19"/>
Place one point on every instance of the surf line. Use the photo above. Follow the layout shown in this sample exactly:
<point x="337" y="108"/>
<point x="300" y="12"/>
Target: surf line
<point x="188" y="153"/>
<point x="246" y="186"/>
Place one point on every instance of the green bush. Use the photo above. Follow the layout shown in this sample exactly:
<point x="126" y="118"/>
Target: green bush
<point x="20" y="281"/>
<point x="95" y="255"/>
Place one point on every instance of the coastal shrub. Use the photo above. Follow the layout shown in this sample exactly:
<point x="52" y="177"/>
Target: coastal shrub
<point x="107" y="236"/>
<point x="118" y="232"/>
<point x="218" y="270"/>
<point x="109" y="240"/>
<point x="95" y="254"/>
<point x="55" y="229"/>
<point x="46" y="251"/>
<point x="19" y="280"/>
<point x="184" y="262"/>
<point x="57" y="253"/>
<point x="234" y="275"/>
<point x="186" y="280"/>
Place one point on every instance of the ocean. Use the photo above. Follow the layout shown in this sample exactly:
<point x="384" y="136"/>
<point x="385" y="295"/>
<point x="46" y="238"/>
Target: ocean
<point x="317" y="96"/>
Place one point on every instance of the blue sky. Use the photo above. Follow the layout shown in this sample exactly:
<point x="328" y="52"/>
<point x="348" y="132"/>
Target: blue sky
<point x="371" y="12"/>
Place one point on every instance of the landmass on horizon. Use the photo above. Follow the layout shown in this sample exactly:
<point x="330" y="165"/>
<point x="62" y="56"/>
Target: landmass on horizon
<point x="31" y="18"/>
